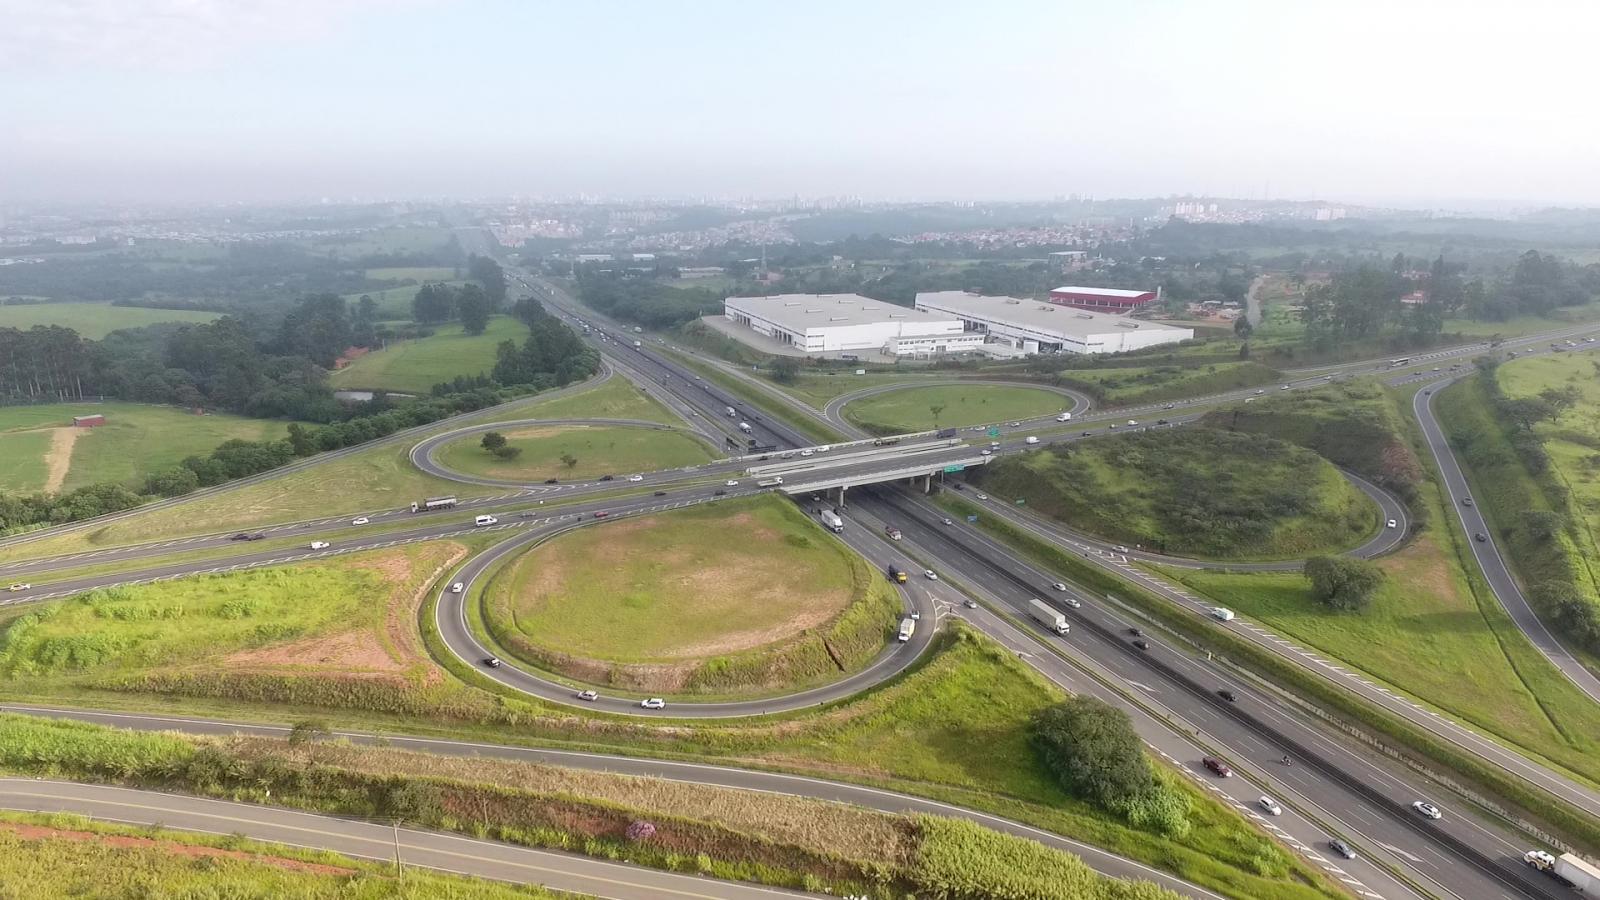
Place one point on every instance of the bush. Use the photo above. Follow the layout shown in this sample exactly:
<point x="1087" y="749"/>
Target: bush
<point x="1343" y="582"/>
<point x="1092" y="749"/>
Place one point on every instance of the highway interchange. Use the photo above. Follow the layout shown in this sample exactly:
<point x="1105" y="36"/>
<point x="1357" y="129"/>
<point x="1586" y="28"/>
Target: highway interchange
<point x="1336" y="787"/>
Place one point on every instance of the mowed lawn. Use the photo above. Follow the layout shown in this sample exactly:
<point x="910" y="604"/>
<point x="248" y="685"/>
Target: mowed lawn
<point x="136" y="440"/>
<point x="1425" y="634"/>
<point x="691" y="583"/>
<point x="94" y="320"/>
<point x="414" y="367"/>
<point x="599" y="450"/>
<point x="913" y="409"/>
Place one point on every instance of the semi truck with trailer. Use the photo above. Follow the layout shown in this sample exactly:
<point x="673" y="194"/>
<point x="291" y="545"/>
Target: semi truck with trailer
<point x="433" y="503"/>
<point x="1572" y="871"/>
<point x="774" y="481"/>
<point x="1048" y="616"/>
<point x="833" y="520"/>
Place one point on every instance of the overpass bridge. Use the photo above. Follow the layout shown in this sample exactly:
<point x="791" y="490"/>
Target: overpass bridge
<point x="872" y="465"/>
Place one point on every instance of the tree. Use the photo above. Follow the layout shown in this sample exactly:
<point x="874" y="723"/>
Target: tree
<point x="1343" y="582"/>
<point x="1578" y="618"/>
<point x="473" y="309"/>
<point x="488" y="274"/>
<point x="935" y="409"/>
<point x="568" y="460"/>
<point x="433" y="303"/>
<point x="507" y="452"/>
<point x="1092" y="749"/>
<point x="492" y="441"/>
<point x="306" y="732"/>
<point x="1560" y="399"/>
<point x="173" y="482"/>
<point x="1242" y="327"/>
<point x="1540" y="524"/>
<point x="785" y="370"/>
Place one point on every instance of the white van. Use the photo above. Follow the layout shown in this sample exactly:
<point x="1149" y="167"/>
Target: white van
<point x="485" y="520"/>
<point x="1031" y="440"/>
<point x="1222" y="614"/>
<point x="1064" y="417"/>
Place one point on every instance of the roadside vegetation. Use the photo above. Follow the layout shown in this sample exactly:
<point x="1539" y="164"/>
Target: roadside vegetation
<point x="1191" y="492"/>
<point x="1135" y="385"/>
<point x="571" y="452"/>
<point x="804" y="424"/>
<point x="816" y="846"/>
<point x="951" y="406"/>
<point x="414" y="366"/>
<point x="736" y="598"/>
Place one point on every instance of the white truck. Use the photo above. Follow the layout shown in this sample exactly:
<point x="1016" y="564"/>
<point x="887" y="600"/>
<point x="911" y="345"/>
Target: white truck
<point x="908" y="627"/>
<point x="1064" y="417"/>
<point x="1222" y="614"/>
<point x="1572" y="871"/>
<point x="433" y="503"/>
<point x="744" y="427"/>
<point x="833" y="520"/>
<point x="1048" y="616"/>
<point x="485" y="520"/>
<point x="732" y="412"/>
<point x="774" y="481"/>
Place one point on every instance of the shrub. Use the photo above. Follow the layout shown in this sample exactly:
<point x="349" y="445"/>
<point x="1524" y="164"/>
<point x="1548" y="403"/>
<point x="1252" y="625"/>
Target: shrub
<point x="1343" y="582"/>
<point x="1092" y="749"/>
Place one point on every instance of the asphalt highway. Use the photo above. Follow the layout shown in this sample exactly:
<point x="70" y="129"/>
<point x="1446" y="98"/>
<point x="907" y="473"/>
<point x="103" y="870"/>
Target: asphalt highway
<point x="695" y="773"/>
<point x="359" y="839"/>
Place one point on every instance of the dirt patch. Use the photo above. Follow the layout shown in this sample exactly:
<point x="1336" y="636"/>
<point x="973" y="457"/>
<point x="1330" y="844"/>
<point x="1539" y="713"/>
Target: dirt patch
<point x="192" y="851"/>
<point x="351" y="652"/>
<point x="59" y="458"/>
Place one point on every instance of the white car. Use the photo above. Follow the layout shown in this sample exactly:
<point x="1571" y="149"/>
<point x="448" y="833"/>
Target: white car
<point x="1058" y="586"/>
<point x="806" y="452"/>
<point x="947" y="521"/>
<point x="458" y="587"/>
<point x="19" y="586"/>
<point x="319" y="545"/>
<point x="360" y="520"/>
<point x="590" y="696"/>
<point x="983" y="496"/>
<point x="1259" y="392"/>
<point x="1426" y="810"/>
<point x="635" y="477"/>
<point x="1133" y="423"/>
<point x="994" y="445"/>
<point x="1286" y="387"/>
<point x="930" y="574"/>
<point x="731" y="483"/>
<point x="653" y="703"/>
<point x="1271" y="806"/>
<point x="1073" y="602"/>
<point x="1122" y="548"/>
<point x="986" y="452"/>
<point x="1393" y="524"/>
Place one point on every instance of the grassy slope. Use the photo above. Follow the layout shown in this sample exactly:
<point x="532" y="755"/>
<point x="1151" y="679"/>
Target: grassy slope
<point x="366" y="480"/>
<point x="818" y="389"/>
<point x="696" y="600"/>
<point x="138" y="439"/>
<point x="48" y="857"/>
<point x="94" y="320"/>
<point x="394" y="304"/>
<point x="415" y="366"/>
<point x="964" y="404"/>
<point x="1193" y="491"/>
<point x="599" y="450"/>
<point x="1150" y="384"/>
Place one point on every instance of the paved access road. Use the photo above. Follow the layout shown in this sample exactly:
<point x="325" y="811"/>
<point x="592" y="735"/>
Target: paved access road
<point x="1487" y="553"/>
<point x="696" y="773"/>
<point x="368" y="840"/>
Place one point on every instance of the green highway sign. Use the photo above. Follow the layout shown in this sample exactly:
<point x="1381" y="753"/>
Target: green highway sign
<point x="955" y="468"/>
<point x="994" y="431"/>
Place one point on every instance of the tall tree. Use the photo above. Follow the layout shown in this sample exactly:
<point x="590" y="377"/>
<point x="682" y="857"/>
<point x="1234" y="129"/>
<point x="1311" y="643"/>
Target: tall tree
<point x="488" y="274"/>
<point x="472" y="307"/>
<point x="433" y="304"/>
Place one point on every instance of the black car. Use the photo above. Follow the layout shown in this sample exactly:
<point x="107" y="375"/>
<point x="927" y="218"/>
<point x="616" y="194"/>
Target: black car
<point x="720" y="493"/>
<point x="1142" y="644"/>
<point x="552" y="481"/>
<point x="959" y="486"/>
<point x="1480" y="537"/>
<point x="1135" y="632"/>
<point x="1161" y="421"/>
<point x="660" y="493"/>
<point x="492" y="662"/>
<point x="608" y="478"/>
<point x="1087" y="433"/>
<point x="1227" y="695"/>
<point x="241" y="536"/>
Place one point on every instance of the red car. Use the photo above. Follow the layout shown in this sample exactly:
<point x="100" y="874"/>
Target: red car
<point x="601" y="515"/>
<point x="1218" y="767"/>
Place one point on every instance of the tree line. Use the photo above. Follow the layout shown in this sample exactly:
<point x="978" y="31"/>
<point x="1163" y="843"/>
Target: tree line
<point x="470" y="304"/>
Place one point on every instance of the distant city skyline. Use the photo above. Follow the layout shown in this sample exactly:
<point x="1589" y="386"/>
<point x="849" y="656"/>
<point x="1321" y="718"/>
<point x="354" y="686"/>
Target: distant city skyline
<point x="1419" y="105"/>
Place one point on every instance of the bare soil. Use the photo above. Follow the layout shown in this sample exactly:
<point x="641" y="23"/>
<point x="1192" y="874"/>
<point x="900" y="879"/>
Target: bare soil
<point x="59" y="458"/>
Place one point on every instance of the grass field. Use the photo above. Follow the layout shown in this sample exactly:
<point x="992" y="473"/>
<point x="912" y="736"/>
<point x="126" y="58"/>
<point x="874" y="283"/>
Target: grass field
<point x="93" y="320"/>
<point x="394" y="304"/>
<point x="136" y="440"/>
<point x="1150" y="384"/>
<point x="818" y="389"/>
<point x="396" y="239"/>
<point x="599" y="450"/>
<point x="1193" y="492"/>
<point x="415" y="366"/>
<point x="57" y="857"/>
<point x="668" y="602"/>
<point x="912" y="409"/>
<point x="419" y="274"/>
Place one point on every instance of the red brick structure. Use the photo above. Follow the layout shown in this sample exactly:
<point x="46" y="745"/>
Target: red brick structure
<point x="1106" y="300"/>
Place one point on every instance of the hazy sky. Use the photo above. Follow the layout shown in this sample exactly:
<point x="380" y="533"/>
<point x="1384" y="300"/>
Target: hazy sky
<point x="1401" y="101"/>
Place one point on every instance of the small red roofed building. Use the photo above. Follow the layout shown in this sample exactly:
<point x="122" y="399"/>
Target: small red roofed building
<point x="90" y="421"/>
<point x="1106" y="300"/>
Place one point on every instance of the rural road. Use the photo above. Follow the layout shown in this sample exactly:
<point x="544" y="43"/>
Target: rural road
<point x="360" y="839"/>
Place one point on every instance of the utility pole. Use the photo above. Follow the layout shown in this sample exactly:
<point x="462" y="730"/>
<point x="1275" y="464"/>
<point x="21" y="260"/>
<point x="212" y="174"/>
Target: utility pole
<point x="399" y="867"/>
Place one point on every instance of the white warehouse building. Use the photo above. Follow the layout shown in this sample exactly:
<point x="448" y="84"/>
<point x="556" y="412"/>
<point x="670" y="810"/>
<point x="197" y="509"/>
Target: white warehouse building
<point x="1037" y="327"/>
<point x="831" y="323"/>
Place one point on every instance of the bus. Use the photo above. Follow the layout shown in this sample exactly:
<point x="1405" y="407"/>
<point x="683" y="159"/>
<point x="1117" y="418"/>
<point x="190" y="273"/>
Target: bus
<point x="1402" y="361"/>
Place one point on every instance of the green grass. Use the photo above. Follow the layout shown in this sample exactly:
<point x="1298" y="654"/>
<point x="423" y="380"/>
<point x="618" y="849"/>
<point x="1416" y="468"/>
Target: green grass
<point x="617" y="398"/>
<point x="1192" y="491"/>
<point x="419" y="274"/>
<point x="415" y="366"/>
<point x="817" y="389"/>
<point x="94" y="320"/>
<point x="911" y="409"/>
<point x="61" y="856"/>
<point x="399" y="239"/>
<point x="136" y="440"/>
<point x="394" y="304"/>
<point x="698" y="600"/>
<point x="599" y="450"/>
<point x="1153" y="384"/>
<point x="804" y="424"/>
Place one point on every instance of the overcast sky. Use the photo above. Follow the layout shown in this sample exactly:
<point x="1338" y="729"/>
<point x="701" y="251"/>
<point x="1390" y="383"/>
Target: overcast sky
<point x="1404" y="101"/>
